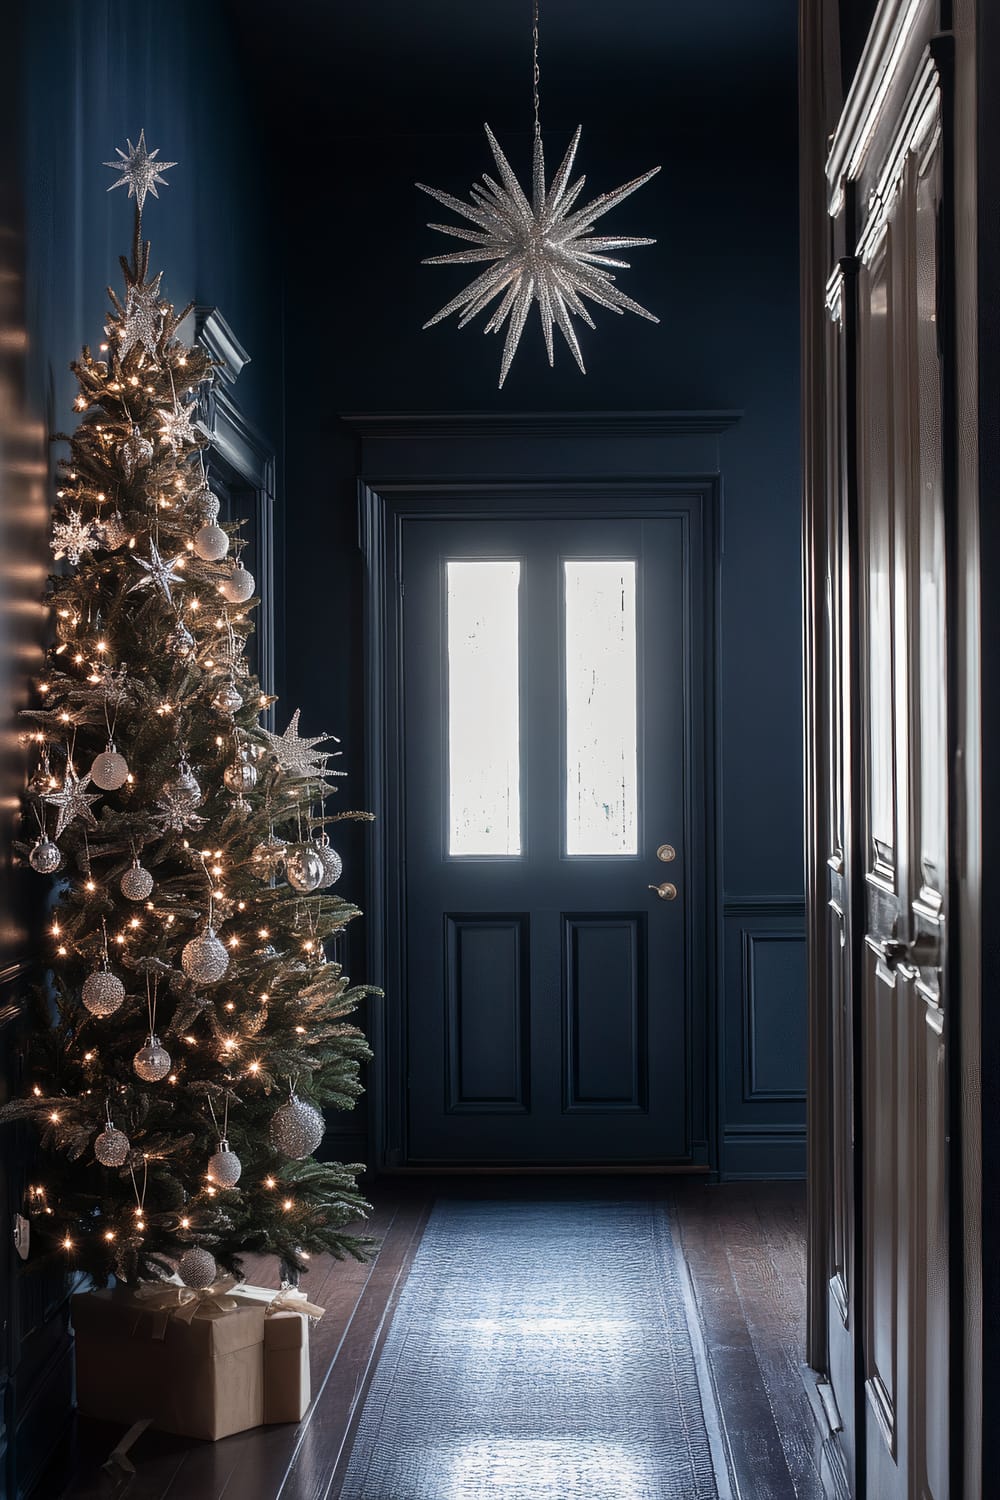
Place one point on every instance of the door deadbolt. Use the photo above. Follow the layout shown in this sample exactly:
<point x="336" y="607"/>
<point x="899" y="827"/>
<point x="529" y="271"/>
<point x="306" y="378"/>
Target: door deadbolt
<point x="666" y="892"/>
<point x="666" y="852"/>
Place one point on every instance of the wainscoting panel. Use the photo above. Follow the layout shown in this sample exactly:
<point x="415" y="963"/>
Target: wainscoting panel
<point x="604" y="1022"/>
<point x="487" y="996"/>
<point x="763" y="1038"/>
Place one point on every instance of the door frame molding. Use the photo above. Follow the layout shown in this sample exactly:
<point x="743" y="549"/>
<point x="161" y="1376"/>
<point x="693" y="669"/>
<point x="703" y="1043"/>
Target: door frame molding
<point x="383" y="505"/>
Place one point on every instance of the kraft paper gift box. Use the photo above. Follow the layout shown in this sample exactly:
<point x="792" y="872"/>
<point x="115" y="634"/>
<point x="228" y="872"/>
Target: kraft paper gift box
<point x="287" y="1386"/>
<point x="192" y="1369"/>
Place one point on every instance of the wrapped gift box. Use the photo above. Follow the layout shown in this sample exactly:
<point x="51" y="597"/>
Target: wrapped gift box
<point x="287" y="1387"/>
<point x="196" y="1369"/>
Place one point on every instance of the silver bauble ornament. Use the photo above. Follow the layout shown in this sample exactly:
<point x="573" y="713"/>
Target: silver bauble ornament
<point x="112" y="1147"/>
<point x="333" y="865"/>
<point x="206" y="503"/>
<point x="205" y="959"/>
<point x="296" y="1128"/>
<point x="136" y="883"/>
<point x="103" y="992"/>
<point x="227" y="698"/>
<point x="197" y="1269"/>
<point x="241" y="776"/>
<point x="267" y="856"/>
<point x="110" y="770"/>
<point x="211" y="543"/>
<point x="152" y="1061"/>
<point x="304" y="869"/>
<point x="135" y="452"/>
<point x="224" y="1167"/>
<point x="114" y="533"/>
<point x="45" y="857"/>
<point x="180" y="641"/>
<point x="238" y="586"/>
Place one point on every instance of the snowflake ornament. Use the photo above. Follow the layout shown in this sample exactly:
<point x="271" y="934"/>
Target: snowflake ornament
<point x="159" y="571"/>
<point x="140" y="171"/>
<point x="541" y="252"/>
<point x="177" y="426"/>
<point x="73" y="536"/>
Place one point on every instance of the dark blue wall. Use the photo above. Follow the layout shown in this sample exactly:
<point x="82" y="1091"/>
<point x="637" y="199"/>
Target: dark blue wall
<point x="723" y="279"/>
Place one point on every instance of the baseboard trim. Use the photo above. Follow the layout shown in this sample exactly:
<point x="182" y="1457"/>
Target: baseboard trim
<point x="763" y="1155"/>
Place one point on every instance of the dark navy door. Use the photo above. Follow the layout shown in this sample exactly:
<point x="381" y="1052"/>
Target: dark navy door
<point x="554" y="774"/>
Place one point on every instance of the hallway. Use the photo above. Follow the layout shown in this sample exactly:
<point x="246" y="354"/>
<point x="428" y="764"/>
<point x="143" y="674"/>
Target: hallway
<point x="733" y="1307"/>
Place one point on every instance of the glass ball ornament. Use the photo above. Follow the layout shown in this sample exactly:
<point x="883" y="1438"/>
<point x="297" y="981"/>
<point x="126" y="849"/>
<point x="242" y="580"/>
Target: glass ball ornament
<point x="136" y="883"/>
<point x="238" y="586"/>
<point x="227" y="698"/>
<point x="45" y="857"/>
<point x="205" y="959"/>
<point x="110" y="770"/>
<point x="304" y="869"/>
<point x="211" y="543"/>
<point x="224" y="1166"/>
<point x="180" y="641"/>
<point x="197" y="1269"/>
<point x="112" y="1147"/>
<point x="241" y="776"/>
<point x="296" y="1128"/>
<point x="152" y="1061"/>
<point x="103" y="992"/>
<point x="267" y="857"/>
<point x="333" y="865"/>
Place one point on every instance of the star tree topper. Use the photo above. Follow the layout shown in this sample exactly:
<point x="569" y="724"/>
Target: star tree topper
<point x="541" y="252"/>
<point x="140" y="172"/>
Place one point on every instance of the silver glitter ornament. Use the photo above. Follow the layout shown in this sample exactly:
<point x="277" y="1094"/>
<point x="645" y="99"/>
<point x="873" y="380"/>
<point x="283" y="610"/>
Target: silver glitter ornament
<point x="135" y="452"/>
<point x="142" y="319"/>
<point x="241" y="776"/>
<point x="205" y="959"/>
<point x="333" y="865"/>
<point x="294" y="754"/>
<point x="103" y="992"/>
<point x="238" y="586"/>
<point x="176" y="427"/>
<point x="227" y="698"/>
<point x="207" y="505"/>
<point x="197" y="1269"/>
<point x="211" y="543"/>
<point x="179" y="798"/>
<point x="158" y="570"/>
<point x="45" y="857"/>
<point x="152" y="1061"/>
<point x="73" y="800"/>
<point x="113" y="531"/>
<point x="180" y="641"/>
<point x="296" y="1128"/>
<point x="541" y="251"/>
<point x="136" y="883"/>
<point x="304" y="868"/>
<point x="267" y="857"/>
<point x="110" y="770"/>
<point x="73" y="536"/>
<point x="224" y="1167"/>
<point x="112" y="1147"/>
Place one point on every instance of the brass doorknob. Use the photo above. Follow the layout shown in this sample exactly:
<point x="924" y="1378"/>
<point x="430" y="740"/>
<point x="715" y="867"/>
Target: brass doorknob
<point x="666" y="892"/>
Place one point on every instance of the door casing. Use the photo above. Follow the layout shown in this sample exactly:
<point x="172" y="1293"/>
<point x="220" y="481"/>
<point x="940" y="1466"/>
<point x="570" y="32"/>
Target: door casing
<point x="384" y="508"/>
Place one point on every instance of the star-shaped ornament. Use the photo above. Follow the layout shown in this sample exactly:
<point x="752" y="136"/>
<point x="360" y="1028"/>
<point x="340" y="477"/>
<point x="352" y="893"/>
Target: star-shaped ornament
<point x="143" y="317"/>
<point x="140" y="171"/>
<point x="73" y="801"/>
<point x="177" y="426"/>
<point x="73" y="536"/>
<point x="540" y="252"/>
<point x="159" y="571"/>
<point x="296" y="755"/>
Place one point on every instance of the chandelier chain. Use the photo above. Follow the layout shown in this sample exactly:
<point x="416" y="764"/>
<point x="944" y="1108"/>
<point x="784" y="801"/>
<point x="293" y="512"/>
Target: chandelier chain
<point x="535" y="73"/>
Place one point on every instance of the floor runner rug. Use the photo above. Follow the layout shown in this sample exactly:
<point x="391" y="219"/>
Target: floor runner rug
<point x="541" y="1351"/>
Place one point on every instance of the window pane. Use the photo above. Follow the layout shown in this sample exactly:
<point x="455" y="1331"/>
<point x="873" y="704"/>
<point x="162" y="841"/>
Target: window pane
<point x="601" y="761"/>
<point x="484" y="773"/>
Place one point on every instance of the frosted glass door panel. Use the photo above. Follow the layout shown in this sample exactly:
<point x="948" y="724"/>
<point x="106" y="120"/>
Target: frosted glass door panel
<point x="601" y="727"/>
<point x="484" y="766"/>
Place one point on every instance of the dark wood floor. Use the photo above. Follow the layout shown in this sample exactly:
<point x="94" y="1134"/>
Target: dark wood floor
<point x="744" y="1245"/>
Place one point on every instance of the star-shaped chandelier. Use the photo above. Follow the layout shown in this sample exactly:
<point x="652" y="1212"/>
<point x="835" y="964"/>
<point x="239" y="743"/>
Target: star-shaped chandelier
<point x="541" y="250"/>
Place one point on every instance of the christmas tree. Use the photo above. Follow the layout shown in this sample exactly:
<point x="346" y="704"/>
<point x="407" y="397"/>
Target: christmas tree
<point x="191" y="1029"/>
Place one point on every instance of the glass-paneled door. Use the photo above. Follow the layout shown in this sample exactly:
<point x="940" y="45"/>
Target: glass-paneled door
<point x="554" y="953"/>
